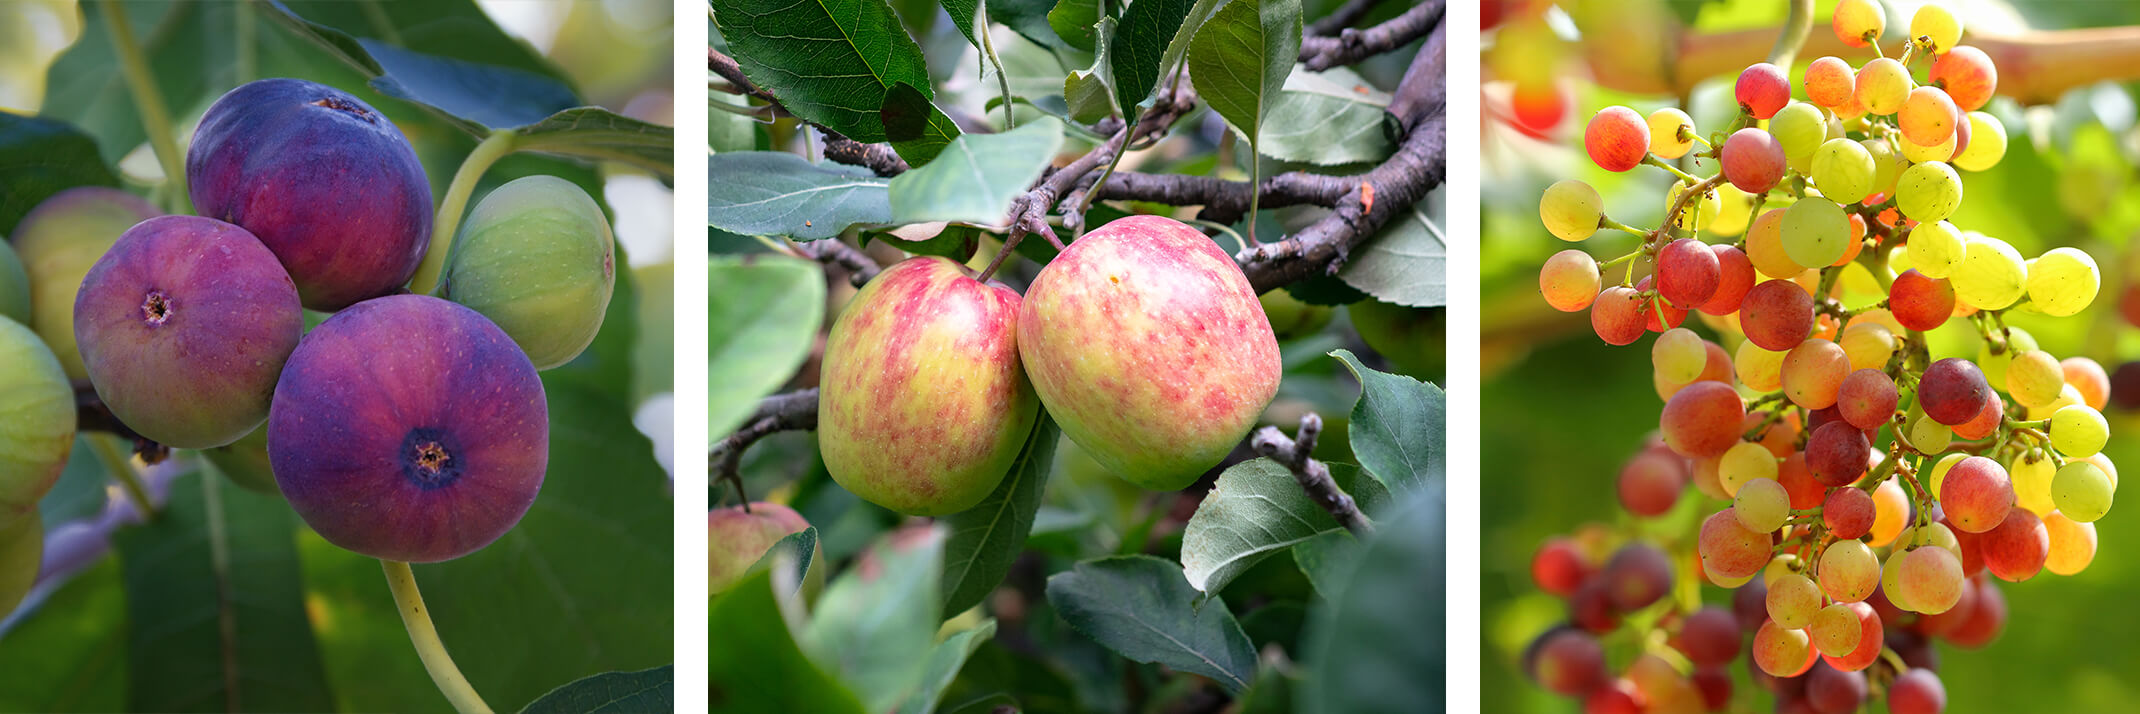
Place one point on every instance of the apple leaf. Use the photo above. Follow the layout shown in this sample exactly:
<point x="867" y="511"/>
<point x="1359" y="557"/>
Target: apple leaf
<point x="1142" y="608"/>
<point x="1088" y="94"/>
<point x="986" y="539"/>
<point x="832" y="63"/>
<point x="1403" y="264"/>
<point x="871" y="622"/>
<point x="1326" y="118"/>
<point x="800" y="546"/>
<point x="1376" y="643"/>
<point x="978" y="175"/>
<point x="1140" y="45"/>
<point x="1396" y="428"/>
<point x="652" y="690"/>
<point x="762" y="318"/>
<point x="1074" y="21"/>
<point x="771" y="674"/>
<point x="778" y="193"/>
<point x="1239" y="60"/>
<point x="945" y="661"/>
<point x="1256" y="509"/>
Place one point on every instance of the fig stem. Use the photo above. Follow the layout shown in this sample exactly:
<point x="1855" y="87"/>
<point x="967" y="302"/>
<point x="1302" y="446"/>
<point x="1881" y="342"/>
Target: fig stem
<point x="155" y="118"/>
<point x="116" y="462"/>
<point x="402" y="580"/>
<point x="494" y="147"/>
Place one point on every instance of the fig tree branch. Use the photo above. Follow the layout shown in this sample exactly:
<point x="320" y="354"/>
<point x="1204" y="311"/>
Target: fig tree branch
<point x="91" y="414"/>
<point x="1312" y="475"/>
<point x="1319" y="53"/>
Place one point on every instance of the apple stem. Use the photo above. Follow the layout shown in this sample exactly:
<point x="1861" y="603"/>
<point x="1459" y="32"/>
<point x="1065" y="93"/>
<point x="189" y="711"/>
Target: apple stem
<point x="402" y="581"/>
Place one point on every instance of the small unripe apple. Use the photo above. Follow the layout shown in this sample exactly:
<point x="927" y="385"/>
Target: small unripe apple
<point x="1148" y="346"/>
<point x="923" y="404"/>
<point x="1411" y="338"/>
<point x="1291" y="318"/>
<point x="735" y="540"/>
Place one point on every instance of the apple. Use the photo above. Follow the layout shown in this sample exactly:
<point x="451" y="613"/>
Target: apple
<point x="1412" y="339"/>
<point x="923" y="404"/>
<point x="1148" y="346"/>
<point x="1292" y="318"/>
<point x="736" y="540"/>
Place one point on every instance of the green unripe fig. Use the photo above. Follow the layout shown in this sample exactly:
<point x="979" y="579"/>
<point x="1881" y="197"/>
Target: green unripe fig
<point x="922" y="404"/>
<point x="736" y="540"/>
<point x="245" y="462"/>
<point x="14" y="286"/>
<point x="58" y="241"/>
<point x="536" y="257"/>
<point x="1148" y="346"/>
<point x="1291" y="318"/>
<point x="1411" y="338"/>
<point x="22" y="552"/>
<point x="36" y="419"/>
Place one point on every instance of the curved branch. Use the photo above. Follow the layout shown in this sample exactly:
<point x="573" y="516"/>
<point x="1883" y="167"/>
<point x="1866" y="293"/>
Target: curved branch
<point x="1342" y="17"/>
<point x="833" y="251"/>
<point x="1351" y="45"/>
<point x="1312" y="475"/>
<point x="787" y="411"/>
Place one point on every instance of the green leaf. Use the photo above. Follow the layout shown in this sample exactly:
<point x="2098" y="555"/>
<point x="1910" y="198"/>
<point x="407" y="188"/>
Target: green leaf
<point x="770" y="673"/>
<point x="962" y="14"/>
<point x="798" y="547"/>
<point x="1075" y="22"/>
<point x="831" y="62"/>
<point x="1326" y="118"/>
<point x="215" y="606"/>
<point x="1325" y="558"/>
<point x="1403" y="263"/>
<point x="603" y="135"/>
<point x="1028" y="18"/>
<point x="475" y="95"/>
<point x="1256" y="509"/>
<point x="932" y="238"/>
<point x="917" y="130"/>
<point x="945" y="661"/>
<point x="763" y="314"/>
<point x="1089" y="93"/>
<point x="1376" y="644"/>
<point x="1139" y="47"/>
<point x="1143" y="609"/>
<point x="652" y="690"/>
<point x="872" y="621"/>
<point x="1199" y="14"/>
<point x="777" y="193"/>
<point x="41" y="157"/>
<point x="985" y="540"/>
<point x="1239" y="60"/>
<point x="977" y="176"/>
<point x="71" y="656"/>
<point x="1396" y="427"/>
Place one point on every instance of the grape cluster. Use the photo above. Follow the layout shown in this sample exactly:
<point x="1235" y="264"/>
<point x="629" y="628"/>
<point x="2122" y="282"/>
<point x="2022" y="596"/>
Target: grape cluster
<point x="1868" y="486"/>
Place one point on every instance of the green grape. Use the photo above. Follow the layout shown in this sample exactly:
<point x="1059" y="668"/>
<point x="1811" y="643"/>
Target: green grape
<point x="2079" y="431"/>
<point x="1992" y="275"/>
<point x="1994" y="365"/>
<point x="2063" y="281"/>
<point x="1800" y="128"/>
<point x="1936" y="249"/>
<point x="1844" y="171"/>
<point x="1848" y="571"/>
<point x="2034" y="377"/>
<point x="1792" y="600"/>
<point x="2082" y="491"/>
<point x="1889" y="165"/>
<point x="1939" y="472"/>
<point x="1930" y="437"/>
<point x="1665" y="134"/>
<point x="1987" y="143"/>
<point x="1937" y="26"/>
<point x="1815" y="232"/>
<point x="1701" y="214"/>
<point x="1571" y="210"/>
<point x="2067" y="396"/>
<point x="1761" y="505"/>
<point x="1835" y="630"/>
<point x="1919" y="153"/>
<point x="2031" y="473"/>
<point x="1891" y="580"/>
<point x="1933" y="534"/>
<point x="1929" y="192"/>
<point x="1679" y="355"/>
<point x="1744" y="463"/>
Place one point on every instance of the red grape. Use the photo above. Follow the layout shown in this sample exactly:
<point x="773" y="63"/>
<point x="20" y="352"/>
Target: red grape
<point x="1917" y="691"/>
<point x="1837" y="454"/>
<point x="1753" y="160"/>
<point x="1710" y="637"/>
<point x="1619" y="315"/>
<point x="1702" y="420"/>
<point x="1617" y="139"/>
<point x="1762" y="90"/>
<point x="1735" y="276"/>
<point x="1953" y="391"/>
<point x="1848" y="512"/>
<point x="1867" y="399"/>
<point x="1777" y="315"/>
<point x="1968" y="75"/>
<point x="1637" y="575"/>
<point x="1559" y="567"/>
<point x="1919" y="302"/>
<point x="2016" y="549"/>
<point x="1687" y="272"/>
<point x="1976" y="494"/>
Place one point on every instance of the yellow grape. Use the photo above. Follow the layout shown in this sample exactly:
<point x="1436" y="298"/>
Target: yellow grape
<point x="2034" y="378"/>
<point x="1869" y="345"/>
<point x="1919" y="153"/>
<point x="1571" y="210"/>
<point x="1744" y="463"/>
<point x="1665" y="140"/>
<point x="1936" y="249"/>
<point x="2082" y="491"/>
<point x="2079" y="431"/>
<point x="1858" y="23"/>
<point x="1992" y="276"/>
<point x="1888" y="164"/>
<point x="1759" y="369"/>
<point x="1702" y="213"/>
<point x="1883" y="85"/>
<point x="1935" y="29"/>
<point x="2072" y="544"/>
<point x="2063" y="282"/>
<point x="1929" y="192"/>
<point x="1734" y="207"/>
<point x="1844" y="171"/>
<point x="2031" y="473"/>
<point x="1679" y="355"/>
<point x="1987" y="143"/>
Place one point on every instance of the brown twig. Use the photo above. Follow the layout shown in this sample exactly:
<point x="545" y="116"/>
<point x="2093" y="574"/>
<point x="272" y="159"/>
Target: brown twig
<point x="1312" y="475"/>
<point x="91" y="414"/>
<point x="1342" y="17"/>
<point x="833" y="251"/>
<point x="788" y="411"/>
<point x="1029" y="211"/>
<point x="1319" y="53"/>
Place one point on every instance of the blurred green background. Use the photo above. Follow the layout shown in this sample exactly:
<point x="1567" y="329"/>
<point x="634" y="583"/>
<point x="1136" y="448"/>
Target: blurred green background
<point x="1563" y="411"/>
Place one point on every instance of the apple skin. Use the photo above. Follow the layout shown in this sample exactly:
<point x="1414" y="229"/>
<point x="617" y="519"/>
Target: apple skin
<point x="58" y="241"/>
<point x="736" y="540"/>
<point x="1148" y="346"/>
<point x="924" y="403"/>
